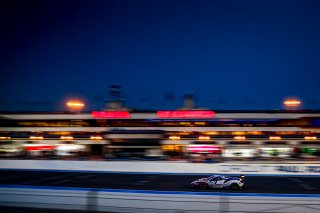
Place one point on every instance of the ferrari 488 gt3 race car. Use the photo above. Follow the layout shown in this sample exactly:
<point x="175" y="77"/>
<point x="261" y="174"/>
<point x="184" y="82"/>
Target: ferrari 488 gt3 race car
<point x="219" y="182"/>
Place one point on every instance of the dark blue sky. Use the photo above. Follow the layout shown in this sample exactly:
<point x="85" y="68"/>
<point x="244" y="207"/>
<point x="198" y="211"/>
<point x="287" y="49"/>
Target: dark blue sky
<point x="230" y="54"/>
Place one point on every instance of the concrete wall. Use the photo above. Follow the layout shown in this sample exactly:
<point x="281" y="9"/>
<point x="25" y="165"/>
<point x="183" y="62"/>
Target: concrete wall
<point x="165" y="167"/>
<point x="153" y="201"/>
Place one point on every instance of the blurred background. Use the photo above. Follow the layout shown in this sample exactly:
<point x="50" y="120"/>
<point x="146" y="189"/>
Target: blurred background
<point x="188" y="133"/>
<point x="103" y="100"/>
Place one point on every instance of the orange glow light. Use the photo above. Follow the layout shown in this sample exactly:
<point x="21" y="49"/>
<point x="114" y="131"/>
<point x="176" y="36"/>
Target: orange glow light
<point x="66" y="138"/>
<point x="204" y="138"/>
<point x="274" y="138"/>
<point x="238" y="133"/>
<point x="310" y="138"/>
<point x="239" y="137"/>
<point x="96" y="138"/>
<point x="75" y="104"/>
<point x="174" y="137"/>
<point x="292" y="102"/>
<point x="212" y="133"/>
<point x="5" y="138"/>
<point x="36" y="137"/>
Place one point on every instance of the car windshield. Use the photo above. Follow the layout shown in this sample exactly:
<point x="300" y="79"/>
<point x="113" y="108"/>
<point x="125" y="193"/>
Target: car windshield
<point x="213" y="177"/>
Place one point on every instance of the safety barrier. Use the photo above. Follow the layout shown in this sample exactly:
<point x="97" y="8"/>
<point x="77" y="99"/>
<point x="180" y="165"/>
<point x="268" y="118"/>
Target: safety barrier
<point x="88" y="199"/>
<point x="164" y="167"/>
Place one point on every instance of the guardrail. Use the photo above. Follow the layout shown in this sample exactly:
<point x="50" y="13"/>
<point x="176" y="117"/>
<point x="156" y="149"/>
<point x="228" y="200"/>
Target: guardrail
<point x="91" y="200"/>
<point x="164" y="167"/>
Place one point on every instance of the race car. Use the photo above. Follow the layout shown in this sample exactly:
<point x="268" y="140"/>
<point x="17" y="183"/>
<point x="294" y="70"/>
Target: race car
<point x="219" y="182"/>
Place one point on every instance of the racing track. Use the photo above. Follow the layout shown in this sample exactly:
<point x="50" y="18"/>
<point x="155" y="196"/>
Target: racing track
<point x="159" y="182"/>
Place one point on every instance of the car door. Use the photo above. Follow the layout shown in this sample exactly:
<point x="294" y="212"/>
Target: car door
<point x="212" y="182"/>
<point x="216" y="182"/>
<point x="219" y="182"/>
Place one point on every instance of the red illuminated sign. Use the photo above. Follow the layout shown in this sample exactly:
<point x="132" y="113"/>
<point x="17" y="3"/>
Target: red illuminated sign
<point x="186" y="114"/>
<point x="36" y="147"/>
<point x="111" y="114"/>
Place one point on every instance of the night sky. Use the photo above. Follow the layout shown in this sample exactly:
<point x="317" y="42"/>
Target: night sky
<point x="230" y="54"/>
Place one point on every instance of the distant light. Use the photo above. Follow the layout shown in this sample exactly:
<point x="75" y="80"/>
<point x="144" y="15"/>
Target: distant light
<point x="95" y="138"/>
<point x="292" y="103"/>
<point x="184" y="133"/>
<point x="110" y="114"/>
<point x="36" y="137"/>
<point x="212" y="133"/>
<point x="254" y="132"/>
<point x="202" y="148"/>
<point x="274" y="138"/>
<point x="66" y="138"/>
<point x="239" y="137"/>
<point x="204" y="138"/>
<point x="200" y="123"/>
<point x="310" y="138"/>
<point x="5" y="138"/>
<point x="174" y="138"/>
<point x="75" y="105"/>
<point x="238" y="133"/>
<point x="186" y="114"/>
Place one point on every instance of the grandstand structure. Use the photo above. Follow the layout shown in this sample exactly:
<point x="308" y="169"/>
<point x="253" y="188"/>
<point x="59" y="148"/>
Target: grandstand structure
<point x="190" y="134"/>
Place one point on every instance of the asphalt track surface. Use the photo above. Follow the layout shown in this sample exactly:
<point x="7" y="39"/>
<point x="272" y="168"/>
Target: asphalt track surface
<point x="159" y="182"/>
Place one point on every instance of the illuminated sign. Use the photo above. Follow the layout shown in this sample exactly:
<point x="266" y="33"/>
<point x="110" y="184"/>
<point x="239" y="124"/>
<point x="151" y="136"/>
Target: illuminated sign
<point x="111" y="114"/>
<point x="186" y="114"/>
<point x="39" y="147"/>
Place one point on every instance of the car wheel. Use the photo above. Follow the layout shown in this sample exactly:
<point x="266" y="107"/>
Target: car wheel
<point x="202" y="185"/>
<point x="234" y="186"/>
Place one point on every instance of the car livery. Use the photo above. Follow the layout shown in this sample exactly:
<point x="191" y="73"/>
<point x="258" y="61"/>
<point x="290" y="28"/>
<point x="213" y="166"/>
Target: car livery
<point x="219" y="182"/>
